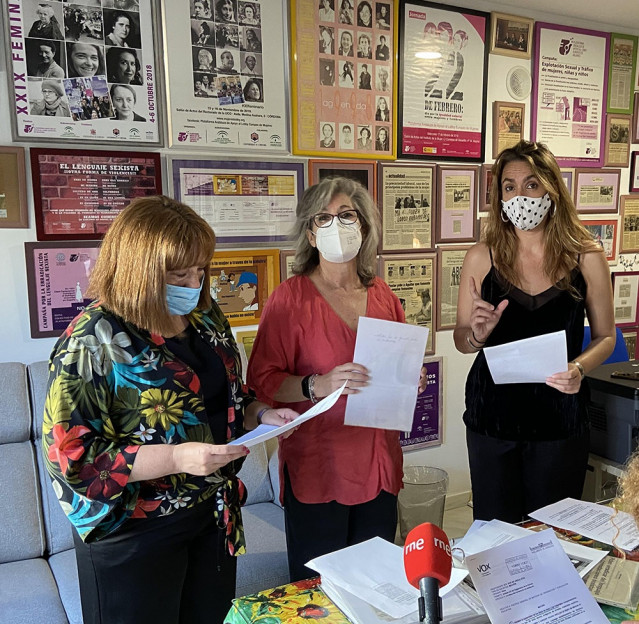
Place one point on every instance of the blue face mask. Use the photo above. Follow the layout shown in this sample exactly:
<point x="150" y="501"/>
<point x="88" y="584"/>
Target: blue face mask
<point x="181" y="299"/>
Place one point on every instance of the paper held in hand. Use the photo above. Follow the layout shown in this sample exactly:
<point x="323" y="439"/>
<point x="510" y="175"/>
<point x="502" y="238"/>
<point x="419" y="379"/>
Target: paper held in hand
<point x="530" y="360"/>
<point x="393" y="353"/>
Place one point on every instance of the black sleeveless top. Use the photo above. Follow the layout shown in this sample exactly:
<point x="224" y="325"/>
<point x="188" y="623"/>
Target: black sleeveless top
<point x="531" y="411"/>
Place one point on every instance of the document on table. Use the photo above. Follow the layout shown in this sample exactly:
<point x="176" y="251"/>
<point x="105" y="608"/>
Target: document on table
<point x="265" y="432"/>
<point x="615" y="582"/>
<point x="532" y="580"/>
<point x="591" y="520"/>
<point x="374" y="572"/>
<point x="394" y="354"/>
<point x="496" y="532"/>
<point x="530" y="360"/>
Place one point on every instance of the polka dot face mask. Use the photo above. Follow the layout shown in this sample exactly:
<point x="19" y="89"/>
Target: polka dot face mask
<point x="526" y="213"/>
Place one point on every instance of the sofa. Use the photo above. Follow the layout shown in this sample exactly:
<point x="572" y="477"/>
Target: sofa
<point x="38" y="574"/>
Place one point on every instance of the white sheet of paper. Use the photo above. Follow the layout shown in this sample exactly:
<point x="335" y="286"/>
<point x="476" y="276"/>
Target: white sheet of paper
<point x="530" y="360"/>
<point x="591" y="520"/>
<point x="393" y="353"/>
<point x="532" y="580"/>
<point x="496" y="532"/>
<point x="374" y="571"/>
<point x="261" y="433"/>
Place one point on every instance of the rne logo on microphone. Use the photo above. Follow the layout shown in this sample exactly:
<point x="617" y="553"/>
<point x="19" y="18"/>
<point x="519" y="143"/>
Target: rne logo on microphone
<point x="419" y="545"/>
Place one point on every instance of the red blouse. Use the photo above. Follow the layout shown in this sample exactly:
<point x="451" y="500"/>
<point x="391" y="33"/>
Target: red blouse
<point x="301" y="334"/>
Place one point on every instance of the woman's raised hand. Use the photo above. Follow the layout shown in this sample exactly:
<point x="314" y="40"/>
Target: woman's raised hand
<point x="483" y="315"/>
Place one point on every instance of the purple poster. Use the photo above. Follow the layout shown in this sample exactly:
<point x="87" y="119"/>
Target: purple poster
<point x="427" y="419"/>
<point x="57" y="279"/>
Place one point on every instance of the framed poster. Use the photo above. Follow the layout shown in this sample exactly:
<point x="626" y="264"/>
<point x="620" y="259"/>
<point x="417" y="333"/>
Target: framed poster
<point x="617" y="145"/>
<point x="78" y="193"/>
<point x="456" y="215"/>
<point x="630" y="337"/>
<point x="406" y="196"/>
<point x="570" y="81"/>
<point x="597" y="190"/>
<point x="629" y="210"/>
<point x="449" y="266"/>
<point x="241" y="282"/>
<point x="443" y="63"/>
<point x="428" y="426"/>
<point x="508" y="125"/>
<point x="57" y="278"/>
<point x="621" y="73"/>
<point x="634" y="172"/>
<point x="511" y="35"/>
<point x="245" y="340"/>
<point x="605" y="233"/>
<point x="226" y="75"/>
<point x="625" y="293"/>
<point x="287" y="259"/>
<point x="247" y="203"/>
<point x="13" y="188"/>
<point x="635" y="120"/>
<point x="343" y="78"/>
<point x="84" y="72"/>
<point x="363" y="171"/>
<point x="413" y="279"/>
<point x="485" y="185"/>
<point x="568" y="176"/>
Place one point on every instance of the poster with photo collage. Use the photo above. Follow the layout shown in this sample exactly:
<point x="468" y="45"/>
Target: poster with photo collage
<point x="343" y="77"/>
<point x="225" y="67"/>
<point x="83" y="70"/>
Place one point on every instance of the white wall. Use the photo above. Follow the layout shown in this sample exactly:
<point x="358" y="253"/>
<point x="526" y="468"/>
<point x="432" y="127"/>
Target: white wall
<point x="17" y="345"/>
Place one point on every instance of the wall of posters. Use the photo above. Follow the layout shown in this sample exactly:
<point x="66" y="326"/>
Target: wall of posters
<point x="247" y="203"/>
<point x="569" y="93"/>
<point x="57" y="277"/>
<point x="449" y="266"/>
<point x="427" y="419"/>
<point x="77" y="194"/>
<point x="343" y="77"/>
<point x="406" y="197"/>
<point x="83" y="71"/>
<point x="225" y="71"/>
<point x="621" y="72"/>
<point x="442" y="90"/>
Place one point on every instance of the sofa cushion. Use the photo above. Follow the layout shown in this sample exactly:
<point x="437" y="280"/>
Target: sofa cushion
<point x="14" y="407"/>
<point x="28" y="594"/>
<point x="265" y="564"/>
<point x="65" y="571"/>
<point x="38" y="378"/>
<point x="21" y="534"/>
<point x="254" y="474"/>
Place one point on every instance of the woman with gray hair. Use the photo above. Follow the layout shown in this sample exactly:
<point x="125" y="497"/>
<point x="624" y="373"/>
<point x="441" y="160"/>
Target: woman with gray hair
<point x="340" y="483"/>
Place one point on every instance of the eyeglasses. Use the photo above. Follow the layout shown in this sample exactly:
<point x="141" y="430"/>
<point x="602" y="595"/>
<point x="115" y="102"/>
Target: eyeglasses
<point x="346" y="217"/>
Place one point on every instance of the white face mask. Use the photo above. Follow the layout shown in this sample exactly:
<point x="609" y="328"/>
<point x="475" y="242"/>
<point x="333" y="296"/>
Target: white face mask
<point x="339" y="242"/>
<point x="526" y="213"/>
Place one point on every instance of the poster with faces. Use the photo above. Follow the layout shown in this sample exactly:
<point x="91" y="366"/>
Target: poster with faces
<point x="83" y="71"/>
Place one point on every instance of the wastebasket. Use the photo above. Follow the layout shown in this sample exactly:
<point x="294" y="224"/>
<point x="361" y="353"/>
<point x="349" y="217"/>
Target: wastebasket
<point x="422" y="498"/>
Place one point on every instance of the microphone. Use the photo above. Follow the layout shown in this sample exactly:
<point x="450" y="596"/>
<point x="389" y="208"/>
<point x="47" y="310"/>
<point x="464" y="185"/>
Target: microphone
<point x="428" y="563"/>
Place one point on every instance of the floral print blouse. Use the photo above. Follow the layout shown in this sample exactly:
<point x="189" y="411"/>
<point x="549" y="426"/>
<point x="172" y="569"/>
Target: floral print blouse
<point x="114" y="387"/>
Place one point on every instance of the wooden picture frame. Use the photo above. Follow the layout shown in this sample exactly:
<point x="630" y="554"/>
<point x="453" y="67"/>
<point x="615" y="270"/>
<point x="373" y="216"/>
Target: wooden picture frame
<point x="622" y="65"/>
<point x="597" y="190"/>
<point x="485" y="185"/>
<point x="286" y="262"/>
<point x="413" y="278"/>
<point x="244" y="341"/>
<point x="625" y="297"/>
<point x="363" y="171"/>
<point x="604" y="232"/>
<point x="456" y="215"/>
<point x="258" y="270"/>
<point x="449" y="265"/>
<point x="568" y="176"/>
<point x="634" y="173"/>
<point x="631" y="338"/>
<point x="406" y="200"/>
<point x="508" y="125"/>
<point x="635" y="120"/>
<point x="629" y="211"/>
<point x="511" y="35"/>
<point x="13" y="188"/>
<point x="617" y="141"/>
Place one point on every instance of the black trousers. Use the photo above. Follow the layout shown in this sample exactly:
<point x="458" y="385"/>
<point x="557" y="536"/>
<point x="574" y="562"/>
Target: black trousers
<point x="314" y="529"/>
<point x="171" y="570"/>
<point x="512" y="478"/>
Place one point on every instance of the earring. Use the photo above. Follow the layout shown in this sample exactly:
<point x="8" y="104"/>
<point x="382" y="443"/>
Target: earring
<point x="501" y="214"/>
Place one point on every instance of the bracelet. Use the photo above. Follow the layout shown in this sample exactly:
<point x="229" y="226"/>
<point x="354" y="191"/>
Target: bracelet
<point x="305" y="389"/>
<point x="473" y="346"/>
<point x="311" y="389"/>
<point x="580" y="368"/>
<point x="261" y="413"/>
<point x="481" y="342"/>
